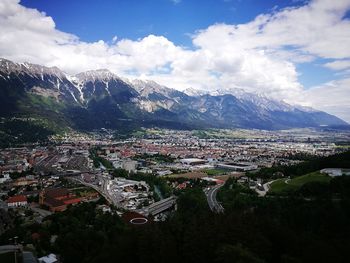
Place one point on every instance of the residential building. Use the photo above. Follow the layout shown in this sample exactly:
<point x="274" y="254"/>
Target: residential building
<point x="17" y="201"/>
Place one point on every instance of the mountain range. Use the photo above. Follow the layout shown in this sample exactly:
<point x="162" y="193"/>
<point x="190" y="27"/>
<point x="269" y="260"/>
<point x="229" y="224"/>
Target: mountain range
<point x="100" y="99"/>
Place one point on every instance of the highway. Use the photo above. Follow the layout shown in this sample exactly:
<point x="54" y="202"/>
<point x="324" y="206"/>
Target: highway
<point x="102" y="191"/>
<point x="153" y="209"/>
<point x="214" y="205"/>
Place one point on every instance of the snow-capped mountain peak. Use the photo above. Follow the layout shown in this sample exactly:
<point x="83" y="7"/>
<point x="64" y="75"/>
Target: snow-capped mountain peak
<point x="89" y="95"/>
<point x="93" y="75"/>
<point x="147" y="87"/>
<point x="8" y="67"/>
<point x="194" y="92"/>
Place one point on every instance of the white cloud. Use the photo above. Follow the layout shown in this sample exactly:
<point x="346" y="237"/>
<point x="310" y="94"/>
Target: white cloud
<point x="258" y="56"/>
<point x="338" y="64"/>
<point x="332" y="97"/>
<point x="318" y="29"/>
<point x="114" y="39"/>
<point x="175" y="2"/>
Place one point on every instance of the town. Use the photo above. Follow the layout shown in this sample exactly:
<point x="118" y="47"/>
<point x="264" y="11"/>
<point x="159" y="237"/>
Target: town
<point x="138" y="177"/>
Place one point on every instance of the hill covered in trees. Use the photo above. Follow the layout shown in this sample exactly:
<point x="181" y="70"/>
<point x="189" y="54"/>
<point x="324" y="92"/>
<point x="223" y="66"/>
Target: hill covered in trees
<point x="252" y="229"/>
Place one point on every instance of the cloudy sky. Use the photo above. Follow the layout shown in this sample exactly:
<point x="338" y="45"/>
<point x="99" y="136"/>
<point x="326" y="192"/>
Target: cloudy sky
<point x="297" y="51"/>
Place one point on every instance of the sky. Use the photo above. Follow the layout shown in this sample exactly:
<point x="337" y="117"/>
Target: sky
<point x="297" y="51"/>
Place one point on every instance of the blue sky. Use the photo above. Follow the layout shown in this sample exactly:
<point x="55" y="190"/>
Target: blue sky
<point x="93" y="20"/>
<point x="297" y="51"/>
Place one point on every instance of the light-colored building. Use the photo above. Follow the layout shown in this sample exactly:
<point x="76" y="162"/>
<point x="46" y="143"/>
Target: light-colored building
<point x="48" y="259"/>
<point x="4" y="178"/>
<point x="129" y="165"/>
<point x="243" y="167"/>
<point x="193" y="161"/>
<point x="335" y="171"/>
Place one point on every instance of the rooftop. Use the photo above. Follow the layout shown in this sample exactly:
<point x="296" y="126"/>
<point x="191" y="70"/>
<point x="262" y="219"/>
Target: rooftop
<point x="17" y="198"/>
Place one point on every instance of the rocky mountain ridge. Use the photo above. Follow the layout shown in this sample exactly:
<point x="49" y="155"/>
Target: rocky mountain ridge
<point x="99" y="98"/>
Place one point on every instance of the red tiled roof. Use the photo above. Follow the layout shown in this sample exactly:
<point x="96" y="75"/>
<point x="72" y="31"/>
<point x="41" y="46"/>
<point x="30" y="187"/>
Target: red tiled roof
<point x="52" y="202"/>
<point x="56" y="192"/>
<point x="17" y="198"/>
<point x="71" y="201"/>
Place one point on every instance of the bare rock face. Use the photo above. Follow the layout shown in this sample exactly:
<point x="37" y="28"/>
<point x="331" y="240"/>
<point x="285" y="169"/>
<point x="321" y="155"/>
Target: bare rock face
<point x="99" y="98"/>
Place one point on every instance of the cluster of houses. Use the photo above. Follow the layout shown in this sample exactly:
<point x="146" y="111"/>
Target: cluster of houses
<point x="54" y="199"/>
<point x="57" y="199"/>
<point x="129" y="194"/>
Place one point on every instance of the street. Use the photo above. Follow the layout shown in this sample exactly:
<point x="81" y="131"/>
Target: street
<point x="214" y="205"/>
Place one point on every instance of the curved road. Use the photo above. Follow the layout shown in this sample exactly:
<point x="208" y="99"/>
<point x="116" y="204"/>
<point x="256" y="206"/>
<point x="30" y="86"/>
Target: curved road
<point x="213" y="203"/>
<point x="102" y="191"/>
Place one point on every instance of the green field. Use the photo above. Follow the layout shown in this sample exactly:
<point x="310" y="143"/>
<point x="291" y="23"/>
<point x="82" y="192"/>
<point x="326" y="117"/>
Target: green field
<point x="228" y="133"/>
<point x="213" y="172"/>
<point x="280" y="186"/>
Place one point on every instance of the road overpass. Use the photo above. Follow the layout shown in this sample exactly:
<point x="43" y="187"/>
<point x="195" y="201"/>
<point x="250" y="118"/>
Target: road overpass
<point x="160" y="206"/>
<point x="154" y="209"/>
<point x="95" y="187"/>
